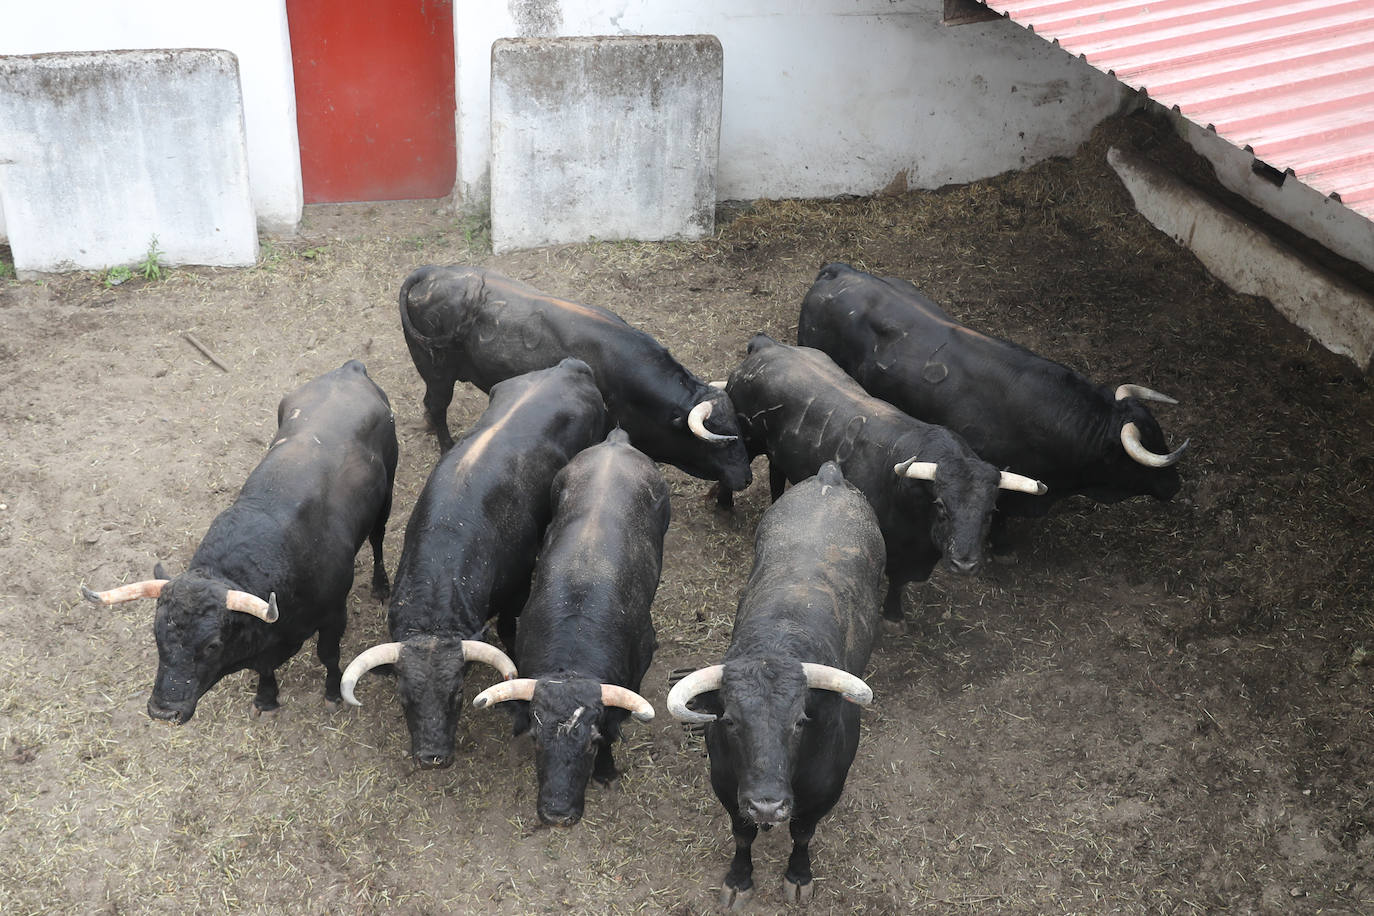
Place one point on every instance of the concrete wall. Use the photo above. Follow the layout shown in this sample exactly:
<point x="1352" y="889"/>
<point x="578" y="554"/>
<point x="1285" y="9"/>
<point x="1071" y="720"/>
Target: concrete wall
<point x="255" y="30"/>
<point x="608" y="138"/>
<point x="110" y="152"/>
<point x="825" y="97"/>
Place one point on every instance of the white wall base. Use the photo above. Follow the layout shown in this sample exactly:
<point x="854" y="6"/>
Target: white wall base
<point x="105" y="150"/>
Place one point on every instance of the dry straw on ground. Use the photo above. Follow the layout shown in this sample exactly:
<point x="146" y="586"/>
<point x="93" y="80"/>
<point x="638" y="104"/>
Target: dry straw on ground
<point x="1147" y="708"/>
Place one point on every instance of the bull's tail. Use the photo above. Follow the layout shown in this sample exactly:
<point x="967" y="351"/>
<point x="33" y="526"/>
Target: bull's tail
<point x="409" y="329"/>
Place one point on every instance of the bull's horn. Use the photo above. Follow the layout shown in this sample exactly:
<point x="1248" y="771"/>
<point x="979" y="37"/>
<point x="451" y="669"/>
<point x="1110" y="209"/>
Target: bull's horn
<point x="696" y="422"/>
<point x="1022" y="484"/>
<point x="520" y="688"/>
<point x="265" y="611"/>
<point x="625" y="698"/>
<point x="824" y="677"/>
<point x="1130" y="440"/>
<point x="700" y="681"/>
<point x="385" y="654"/>
<point x="474" y="650"/>
<point x="721" y="385"/>
<point x="149" y="588"/>
<point x="916" y="470"/>
<point x="1142" y="393"/>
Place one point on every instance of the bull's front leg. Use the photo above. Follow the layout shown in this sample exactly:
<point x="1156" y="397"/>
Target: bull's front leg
<point x="724" y="497"/>
<point x="265" y="700"/>
<point x="603" y="769"/>
<point x="796" y="881"/>
<point x="327" y="648"/>
<point x="892" y="604"/>
<point x="381" y="585"/>
<point x="777" y="480"/>
<point x="266" y="665"/>
<point x="739" y="880"/>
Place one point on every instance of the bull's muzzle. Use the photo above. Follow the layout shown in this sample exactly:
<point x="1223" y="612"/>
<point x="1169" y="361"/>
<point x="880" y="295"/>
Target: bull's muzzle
<point x="767" y="811"/>
<point x="177" y="715"/>
<point x="434" y="761"/>
<point x="558" y="816"/>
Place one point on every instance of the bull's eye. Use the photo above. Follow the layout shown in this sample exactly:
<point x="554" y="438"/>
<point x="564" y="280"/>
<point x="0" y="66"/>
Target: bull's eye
<point x="211" y="648"/>
<point x="940" y="509"/>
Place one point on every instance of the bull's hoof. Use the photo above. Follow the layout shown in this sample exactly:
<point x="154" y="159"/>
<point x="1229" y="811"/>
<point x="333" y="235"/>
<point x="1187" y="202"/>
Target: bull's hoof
<point x="894" y="627"/>
<point x="257" y="712"/>
<point x="797" y="893"/>
<point x="735" y="899"/>
<point x="333" y="705"/>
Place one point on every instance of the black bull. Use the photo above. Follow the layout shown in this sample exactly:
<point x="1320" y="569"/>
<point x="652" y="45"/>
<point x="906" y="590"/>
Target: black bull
<point x="475" y="325"/>
<point x="471" y="543"/>
<point x="932" y="494"/>
<point x="1016" y="409"/>
<point x="586" y="638"/>
<point x="779" y="733"/>
<point x="323" y="487"/>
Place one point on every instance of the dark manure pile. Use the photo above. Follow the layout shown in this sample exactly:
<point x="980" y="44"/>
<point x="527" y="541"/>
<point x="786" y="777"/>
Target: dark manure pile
<point x="1143" y="708"/>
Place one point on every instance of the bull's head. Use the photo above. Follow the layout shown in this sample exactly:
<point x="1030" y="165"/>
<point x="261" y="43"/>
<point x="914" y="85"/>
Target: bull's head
<point x="964" y="497"/>
<point x="757" y="712"/>
<point x="574" y="726"/>
<point x="715" y="450"/>
<point x="200" y="631"/>
<point x="1145" y="463"/>
<point x="429" y="680"/>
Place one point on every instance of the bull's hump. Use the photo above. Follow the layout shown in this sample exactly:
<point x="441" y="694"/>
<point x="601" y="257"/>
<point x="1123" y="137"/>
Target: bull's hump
<point x="478" y="445"/>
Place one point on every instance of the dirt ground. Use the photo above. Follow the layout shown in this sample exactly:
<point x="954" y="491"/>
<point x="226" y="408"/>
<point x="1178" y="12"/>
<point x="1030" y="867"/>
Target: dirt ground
<point x="1146" y="708"/>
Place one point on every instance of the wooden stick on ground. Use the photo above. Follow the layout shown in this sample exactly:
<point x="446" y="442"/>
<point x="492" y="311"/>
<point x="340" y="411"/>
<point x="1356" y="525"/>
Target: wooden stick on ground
<point x="204" y="349"/>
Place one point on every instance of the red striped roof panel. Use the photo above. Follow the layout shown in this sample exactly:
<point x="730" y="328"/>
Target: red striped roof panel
<point x="1290" y="80"/>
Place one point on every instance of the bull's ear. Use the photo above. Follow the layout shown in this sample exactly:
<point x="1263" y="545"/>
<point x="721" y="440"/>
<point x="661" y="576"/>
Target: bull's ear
<point x="158" y="572"/>
<point x="519" y="716"/>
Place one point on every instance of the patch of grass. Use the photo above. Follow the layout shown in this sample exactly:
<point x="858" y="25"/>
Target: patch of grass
<point x="477" y="233"/>
<point x="6" y="270"/>
<point x="151" y="266"/>
<point x="114" y="276"/>
<point x="269" y="255"/>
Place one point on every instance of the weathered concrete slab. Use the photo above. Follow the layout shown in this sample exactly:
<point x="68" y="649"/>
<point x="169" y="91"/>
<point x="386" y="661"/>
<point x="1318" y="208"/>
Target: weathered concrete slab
<point x="1337" y="314"/>
<point x="604" y="137"/>
<point x="101" y="151"/>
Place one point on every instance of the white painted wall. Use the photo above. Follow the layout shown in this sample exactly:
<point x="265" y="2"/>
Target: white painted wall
<point x="825" y="97"/>
<point x="254" y="30"/>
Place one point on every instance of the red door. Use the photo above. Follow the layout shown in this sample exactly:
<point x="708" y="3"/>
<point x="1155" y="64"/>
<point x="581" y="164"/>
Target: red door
<point x="374" y="98"/>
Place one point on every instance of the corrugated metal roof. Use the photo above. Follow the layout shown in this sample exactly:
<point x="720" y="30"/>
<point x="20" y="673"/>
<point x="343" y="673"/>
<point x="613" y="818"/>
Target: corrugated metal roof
<point x="1291" y="80"/>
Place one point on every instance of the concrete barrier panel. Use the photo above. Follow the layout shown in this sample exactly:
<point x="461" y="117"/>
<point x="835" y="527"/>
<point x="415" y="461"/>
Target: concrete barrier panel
<point x="101" y="151"/>
<point x="604" y="137"/>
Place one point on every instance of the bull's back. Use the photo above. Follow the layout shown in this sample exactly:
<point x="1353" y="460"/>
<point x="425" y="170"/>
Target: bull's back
<point x="803" y="410"/>
<point x="491" y="327"/>
<point x="602" y="555"/>
<point x="477" y="522"/>
<point x="817" y="574"/>
<point x="334" y="451"/>
<point x="321" y="487"/>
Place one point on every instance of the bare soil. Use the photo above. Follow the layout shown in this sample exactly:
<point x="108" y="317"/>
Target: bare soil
<point x="1147" y="708"/>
